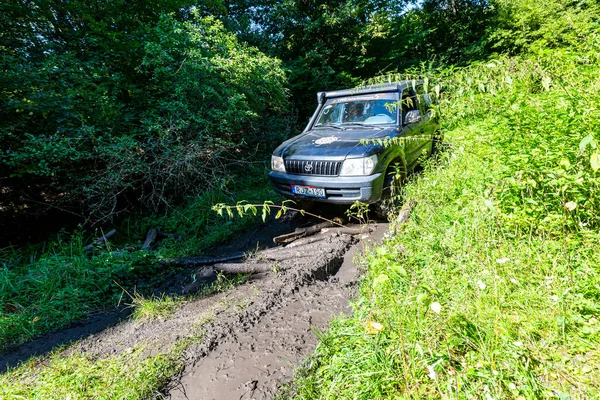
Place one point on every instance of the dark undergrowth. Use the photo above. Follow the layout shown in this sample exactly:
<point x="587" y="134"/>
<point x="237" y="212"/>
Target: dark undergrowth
<point x="46" y="287"/>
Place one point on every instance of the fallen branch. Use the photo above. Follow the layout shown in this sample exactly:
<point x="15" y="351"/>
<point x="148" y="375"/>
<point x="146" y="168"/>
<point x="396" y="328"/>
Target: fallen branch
<point x="100" y="240"/>
<point x="284" y="254"/>
<point x="302" y="232"/>
<point x="151" y="237"/>
<point x="308" y="240"/>
<point x="243" y="268"/>
<point x="348" y="231"/>
<point x="189" y="261"/>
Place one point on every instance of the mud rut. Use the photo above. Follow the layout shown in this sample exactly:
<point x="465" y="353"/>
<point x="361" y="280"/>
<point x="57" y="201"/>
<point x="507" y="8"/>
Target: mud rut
<point x="248" y="340"/>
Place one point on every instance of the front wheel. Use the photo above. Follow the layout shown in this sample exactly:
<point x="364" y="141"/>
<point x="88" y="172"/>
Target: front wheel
<point x="390" y="194"/>
<point x="436" y="143"/>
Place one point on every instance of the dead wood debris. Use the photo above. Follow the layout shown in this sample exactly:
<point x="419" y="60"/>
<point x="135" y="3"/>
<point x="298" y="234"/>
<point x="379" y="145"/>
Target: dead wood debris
<point x="404" y="213"/>
<point x="243" y="268"/>
<point x="151" y="238"/>
<point x="100" y="240"/>
<point x="194" y="261"/>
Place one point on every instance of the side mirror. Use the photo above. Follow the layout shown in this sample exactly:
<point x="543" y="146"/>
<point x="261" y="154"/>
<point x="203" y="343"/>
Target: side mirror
<point x="412" y="117"/>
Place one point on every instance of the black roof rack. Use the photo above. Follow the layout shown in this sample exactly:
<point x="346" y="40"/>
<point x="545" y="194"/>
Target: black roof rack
<point x="379" y="88"/>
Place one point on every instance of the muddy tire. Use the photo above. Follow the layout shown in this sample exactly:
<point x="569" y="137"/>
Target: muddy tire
<point x="390" y="194"/>
<point x="437" y="143"/>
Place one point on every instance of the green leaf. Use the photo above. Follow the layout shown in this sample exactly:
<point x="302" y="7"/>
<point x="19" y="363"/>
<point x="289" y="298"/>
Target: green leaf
<point x="586" y="141"/>
<point x="380" y="280"/>
<point x="546" y="82"/>
<point x="595" y="161"/>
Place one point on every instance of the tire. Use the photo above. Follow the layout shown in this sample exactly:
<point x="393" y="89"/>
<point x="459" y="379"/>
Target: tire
<point x="436" y="143"/>
<point x="390" y="193"/>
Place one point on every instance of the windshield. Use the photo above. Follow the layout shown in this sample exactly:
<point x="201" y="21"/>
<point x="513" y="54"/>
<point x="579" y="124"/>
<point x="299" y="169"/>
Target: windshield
<point x="376" y="109"/>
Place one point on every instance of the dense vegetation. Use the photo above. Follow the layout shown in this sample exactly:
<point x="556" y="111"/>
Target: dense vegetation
<point x="492" y="288"/>
<point x="110" y="106"/>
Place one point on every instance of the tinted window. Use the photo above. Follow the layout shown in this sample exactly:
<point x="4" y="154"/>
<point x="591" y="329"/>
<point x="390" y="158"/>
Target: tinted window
<point x="370" y="110"/>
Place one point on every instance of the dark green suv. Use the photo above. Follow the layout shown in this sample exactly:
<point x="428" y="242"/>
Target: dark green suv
<point x="339" y="158"/>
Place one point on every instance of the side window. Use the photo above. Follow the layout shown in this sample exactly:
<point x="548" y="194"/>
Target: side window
<point x="409" y="102"/>
<point x="424" y="100"/>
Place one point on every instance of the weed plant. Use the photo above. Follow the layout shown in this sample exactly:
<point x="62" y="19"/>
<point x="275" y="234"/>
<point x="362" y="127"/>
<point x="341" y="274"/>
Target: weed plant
<point x="492" y="290"/>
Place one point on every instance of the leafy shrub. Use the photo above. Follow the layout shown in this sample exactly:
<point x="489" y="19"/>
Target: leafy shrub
<point x="105" y="119"/>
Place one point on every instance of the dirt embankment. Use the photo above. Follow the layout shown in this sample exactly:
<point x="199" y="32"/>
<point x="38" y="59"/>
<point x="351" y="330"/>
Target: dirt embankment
<point x="248" y="340"/>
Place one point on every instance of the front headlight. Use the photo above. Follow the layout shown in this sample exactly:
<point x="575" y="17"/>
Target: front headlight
<point x="277" y="164"/>
<point x="359" y="166"/>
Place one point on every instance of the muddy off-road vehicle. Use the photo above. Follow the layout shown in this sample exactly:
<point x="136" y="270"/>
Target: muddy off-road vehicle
<point x="340" y="158"/>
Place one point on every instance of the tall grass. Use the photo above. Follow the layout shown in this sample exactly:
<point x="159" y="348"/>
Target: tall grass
<point x="492" y="290"/>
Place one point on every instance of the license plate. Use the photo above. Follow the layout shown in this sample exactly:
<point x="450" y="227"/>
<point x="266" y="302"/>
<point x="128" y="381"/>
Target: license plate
<point x="308" y="191"/>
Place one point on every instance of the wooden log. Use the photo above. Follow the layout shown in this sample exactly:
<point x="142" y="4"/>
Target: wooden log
<point x="308" y="240"/>
<point x="284" y="254"/>
<point x="243" y="268"/>
<point x="100" y="240"/>
<point x="348" y="231"/>
<point x="302" y="232"/>
<point x="151" y="237"/>
<point x="191" y="261"/>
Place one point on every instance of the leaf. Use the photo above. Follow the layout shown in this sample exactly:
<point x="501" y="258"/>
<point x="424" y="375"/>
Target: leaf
<point x="380" y="280"/>
<point x="399" y="269"/>
<point x="436" y="307"/>
<point x="585" y="142"/>
<point x="595" y="161"/>
<point x="279" y="213"/>
<point x="424" y="298"/>
<point x="571" y="205"/>
<point x="546" y="82"/>
<point x="373" y="327"/>
<point x="264" y="213"/>
<point x="490" y="205"/>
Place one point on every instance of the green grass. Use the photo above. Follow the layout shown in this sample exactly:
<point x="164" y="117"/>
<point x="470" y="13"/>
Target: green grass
<point x="492" y="289"/>
<point x="127" y="376"/>
<point x="150" y="308"/>
<point x="47" y="287"/>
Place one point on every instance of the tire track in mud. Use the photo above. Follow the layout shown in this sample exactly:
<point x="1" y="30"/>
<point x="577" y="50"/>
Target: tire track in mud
<point x="248" y="340"/>
<point x="258" y="356"/>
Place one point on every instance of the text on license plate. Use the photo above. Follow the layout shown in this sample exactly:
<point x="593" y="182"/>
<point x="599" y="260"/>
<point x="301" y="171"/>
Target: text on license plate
<point x="308" y="191"/>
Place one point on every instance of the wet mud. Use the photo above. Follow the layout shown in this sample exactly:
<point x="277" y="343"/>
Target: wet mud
<point x="246" y="340"/>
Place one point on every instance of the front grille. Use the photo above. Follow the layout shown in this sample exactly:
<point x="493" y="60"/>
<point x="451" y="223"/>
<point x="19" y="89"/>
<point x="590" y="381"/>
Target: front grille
<point x="302" y="167"/>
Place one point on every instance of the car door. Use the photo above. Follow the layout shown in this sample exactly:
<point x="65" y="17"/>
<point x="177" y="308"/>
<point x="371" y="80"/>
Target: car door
<point x="411" y="132"/>
<point x="427" y="125"/>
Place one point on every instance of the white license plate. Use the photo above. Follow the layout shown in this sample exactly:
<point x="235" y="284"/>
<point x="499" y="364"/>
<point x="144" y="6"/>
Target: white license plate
<point x="308" y="191"/>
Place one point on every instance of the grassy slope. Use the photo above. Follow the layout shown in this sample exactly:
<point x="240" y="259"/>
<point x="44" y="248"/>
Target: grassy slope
<point x="492" y="290"/>
<point x="47" y="288"/>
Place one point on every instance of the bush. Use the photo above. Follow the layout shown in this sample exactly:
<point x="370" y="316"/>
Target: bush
<point x="100" y="119"/>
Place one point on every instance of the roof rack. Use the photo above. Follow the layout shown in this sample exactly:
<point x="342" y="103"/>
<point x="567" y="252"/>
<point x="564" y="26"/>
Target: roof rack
<point x="379" y="88"/>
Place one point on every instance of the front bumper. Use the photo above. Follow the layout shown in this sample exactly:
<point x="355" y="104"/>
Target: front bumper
<point x="339" y="190"/>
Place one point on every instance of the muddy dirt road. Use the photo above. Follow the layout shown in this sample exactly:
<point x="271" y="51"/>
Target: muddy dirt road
<point x="246" y="340"/>
<point x="260" y="355"/>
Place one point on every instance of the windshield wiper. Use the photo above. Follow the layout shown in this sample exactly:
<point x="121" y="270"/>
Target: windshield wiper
<point x="329" y="126"/>
<point x="363" y="125"/>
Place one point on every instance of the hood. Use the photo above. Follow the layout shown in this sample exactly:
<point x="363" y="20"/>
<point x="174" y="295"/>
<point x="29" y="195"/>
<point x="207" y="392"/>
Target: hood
<point x="332" y="144"/>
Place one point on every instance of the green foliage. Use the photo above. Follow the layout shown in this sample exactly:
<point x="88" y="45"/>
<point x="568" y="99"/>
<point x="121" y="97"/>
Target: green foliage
<point x="46" y="288"/>
<point x="132" y="375"/>
<point x="491" y="289"/>
<point x="149" y="308"/>
<point x="108" y="106"/>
